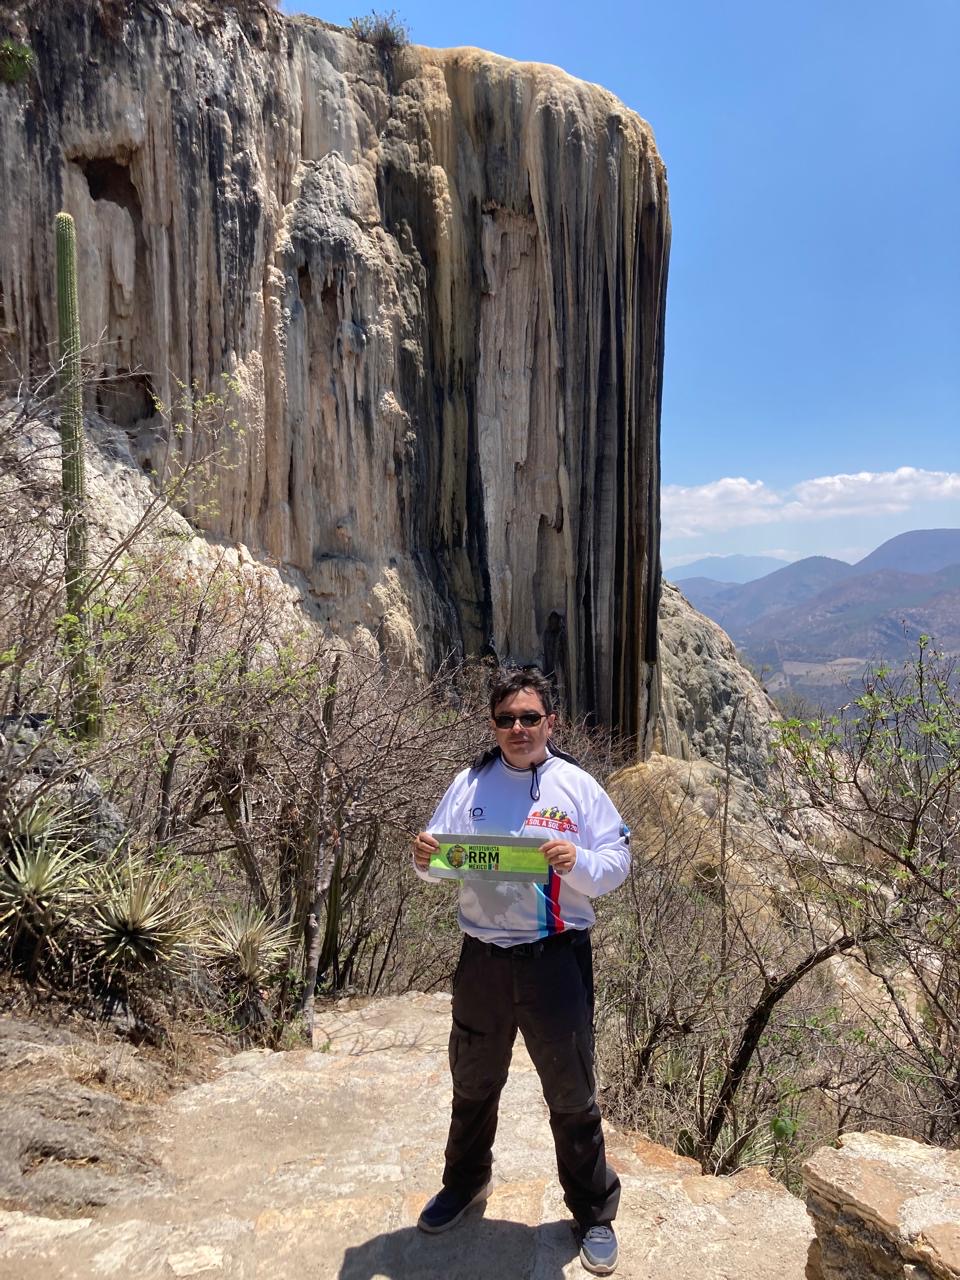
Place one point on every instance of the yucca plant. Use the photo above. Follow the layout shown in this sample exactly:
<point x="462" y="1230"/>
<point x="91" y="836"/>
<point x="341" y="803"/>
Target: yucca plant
<point x="44" y="865"/>
<point x="245" y="942"/>
<point x="245" y="948"/>
<point x="756" y="1146"/>
<point x="41" y="890"/>
<point x="32" y="818"/>
<point x="139" y="922"/>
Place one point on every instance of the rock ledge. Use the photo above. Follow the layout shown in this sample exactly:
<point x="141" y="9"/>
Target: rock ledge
<point x="317" y="1164"/>
<point x="884" y="1207"/>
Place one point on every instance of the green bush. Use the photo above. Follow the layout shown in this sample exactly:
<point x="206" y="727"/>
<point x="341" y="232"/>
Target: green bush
<point x="16" y="60"/>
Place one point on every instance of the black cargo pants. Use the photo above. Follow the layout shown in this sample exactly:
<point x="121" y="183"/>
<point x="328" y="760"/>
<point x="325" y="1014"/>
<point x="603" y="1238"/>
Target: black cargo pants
<point x="546" y="990"/>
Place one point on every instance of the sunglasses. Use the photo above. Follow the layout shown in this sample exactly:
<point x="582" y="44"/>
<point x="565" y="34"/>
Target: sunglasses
<point x="529" y="720"/>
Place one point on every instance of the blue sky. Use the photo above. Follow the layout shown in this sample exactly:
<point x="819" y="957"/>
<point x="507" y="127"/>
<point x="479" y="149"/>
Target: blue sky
<point x="812" y="381"/>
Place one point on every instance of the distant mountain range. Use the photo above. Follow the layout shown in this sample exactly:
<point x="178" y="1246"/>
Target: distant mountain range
<point x="726" y="568"/>
<point x="814" y="626"/>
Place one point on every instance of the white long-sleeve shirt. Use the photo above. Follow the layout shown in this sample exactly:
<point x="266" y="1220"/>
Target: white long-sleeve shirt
<point x="496" y="801"/>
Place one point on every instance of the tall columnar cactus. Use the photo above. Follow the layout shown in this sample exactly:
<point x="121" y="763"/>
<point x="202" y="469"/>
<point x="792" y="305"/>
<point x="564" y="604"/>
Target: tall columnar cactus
<point x="84" y="691"/>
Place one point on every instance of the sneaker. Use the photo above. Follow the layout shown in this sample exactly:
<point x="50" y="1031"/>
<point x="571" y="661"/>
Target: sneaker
<point x="598" y="1250"/>
<point x="447" y="1208"/>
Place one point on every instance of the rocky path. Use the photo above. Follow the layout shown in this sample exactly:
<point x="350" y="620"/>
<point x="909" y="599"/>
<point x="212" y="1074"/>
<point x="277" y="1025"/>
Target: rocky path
<point x="315" y="1164"/>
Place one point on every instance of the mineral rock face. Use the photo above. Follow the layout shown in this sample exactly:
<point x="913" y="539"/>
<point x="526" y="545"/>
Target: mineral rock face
<point x="436" y="282"/>
<point x="711" y="706"/>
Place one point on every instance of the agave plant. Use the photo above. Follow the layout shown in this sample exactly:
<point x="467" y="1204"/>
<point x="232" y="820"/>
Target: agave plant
<point x="40" y="889"/>
<point x="44" y="879"/>
<point x="246" y="947"/>
<point x="140" y="921"/>
<point x="246" y="944"/>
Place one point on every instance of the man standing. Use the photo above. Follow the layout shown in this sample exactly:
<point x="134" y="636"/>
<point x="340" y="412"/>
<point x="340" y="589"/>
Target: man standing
<point x="526" y="961"/>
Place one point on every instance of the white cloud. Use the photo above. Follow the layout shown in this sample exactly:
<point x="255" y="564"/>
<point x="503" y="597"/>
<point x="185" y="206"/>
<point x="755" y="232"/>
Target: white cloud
<point x="736" y="502"/>
<point x="874" y="492"/>
<point x="722" y="504"/>
<point x="854" y="553"/>
<point x="678" y="561"/>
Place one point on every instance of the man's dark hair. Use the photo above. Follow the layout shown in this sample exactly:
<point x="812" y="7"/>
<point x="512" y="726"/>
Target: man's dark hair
<point x="510" y="680"/>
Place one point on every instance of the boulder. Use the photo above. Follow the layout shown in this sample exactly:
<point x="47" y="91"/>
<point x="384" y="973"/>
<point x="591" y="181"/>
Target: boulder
<point x="884" y="1208"/>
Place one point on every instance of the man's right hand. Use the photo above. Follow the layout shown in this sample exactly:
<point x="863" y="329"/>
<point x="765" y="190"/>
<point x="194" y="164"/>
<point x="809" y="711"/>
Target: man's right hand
<point x="423" y="846"/>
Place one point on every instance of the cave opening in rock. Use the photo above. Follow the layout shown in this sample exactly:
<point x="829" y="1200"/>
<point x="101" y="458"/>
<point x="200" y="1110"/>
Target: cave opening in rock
<point x="109" y="179"/>
<point x="330" y="329"/>
<point x="126" y="398"/>
<point x="304" y="284"/>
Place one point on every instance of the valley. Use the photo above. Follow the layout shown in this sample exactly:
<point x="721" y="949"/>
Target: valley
<point x="813" y="629"/>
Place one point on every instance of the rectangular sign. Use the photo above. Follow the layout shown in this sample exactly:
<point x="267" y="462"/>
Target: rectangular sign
<point x="489" y="858"/>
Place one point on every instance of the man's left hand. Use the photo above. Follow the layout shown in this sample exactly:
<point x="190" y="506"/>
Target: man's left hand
<point x="561" y="855"/>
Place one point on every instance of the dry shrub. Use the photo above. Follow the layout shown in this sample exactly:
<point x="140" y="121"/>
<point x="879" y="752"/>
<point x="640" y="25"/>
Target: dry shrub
<point x="245" y="757"/>
<point x="386" y="31"/>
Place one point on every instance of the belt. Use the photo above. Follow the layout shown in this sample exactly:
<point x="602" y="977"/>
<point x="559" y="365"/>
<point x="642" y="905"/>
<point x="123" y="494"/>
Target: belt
<point x="530" y="950"/>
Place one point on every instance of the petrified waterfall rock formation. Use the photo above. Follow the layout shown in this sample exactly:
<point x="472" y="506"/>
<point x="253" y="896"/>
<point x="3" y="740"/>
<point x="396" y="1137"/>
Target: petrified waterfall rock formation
<point x="436" y="280"/>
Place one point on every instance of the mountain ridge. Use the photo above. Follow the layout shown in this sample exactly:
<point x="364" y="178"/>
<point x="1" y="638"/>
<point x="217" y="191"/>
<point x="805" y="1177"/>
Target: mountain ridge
<point x="817" y="625"/>
<point x="900" y="551"/>
<point x="733" y="566"/>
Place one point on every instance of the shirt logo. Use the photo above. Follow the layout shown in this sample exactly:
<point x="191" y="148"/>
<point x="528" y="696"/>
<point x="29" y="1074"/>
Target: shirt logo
<point x="476" y="813"/>
<point x="555" y="819"/>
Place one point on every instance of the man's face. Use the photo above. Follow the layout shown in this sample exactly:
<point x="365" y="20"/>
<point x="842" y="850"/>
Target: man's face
<point x="521" y="745"/>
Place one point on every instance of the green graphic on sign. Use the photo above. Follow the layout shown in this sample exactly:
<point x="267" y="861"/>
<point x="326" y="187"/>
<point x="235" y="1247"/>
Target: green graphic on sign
<point x="475" y="858"/>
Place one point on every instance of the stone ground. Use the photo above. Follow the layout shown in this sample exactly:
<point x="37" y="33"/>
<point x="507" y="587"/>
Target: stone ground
<point x="315" y="1164"/>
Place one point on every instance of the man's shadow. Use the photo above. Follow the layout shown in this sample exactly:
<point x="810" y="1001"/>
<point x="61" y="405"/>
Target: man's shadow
<point x="478" y="1248"/>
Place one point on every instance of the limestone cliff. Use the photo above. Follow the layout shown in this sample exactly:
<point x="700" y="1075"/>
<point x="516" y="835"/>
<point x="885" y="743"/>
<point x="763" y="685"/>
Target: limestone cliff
<point x="436" y="280"/>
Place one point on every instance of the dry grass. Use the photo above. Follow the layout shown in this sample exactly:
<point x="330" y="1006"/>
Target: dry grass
<point x="58" y="1038"/>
